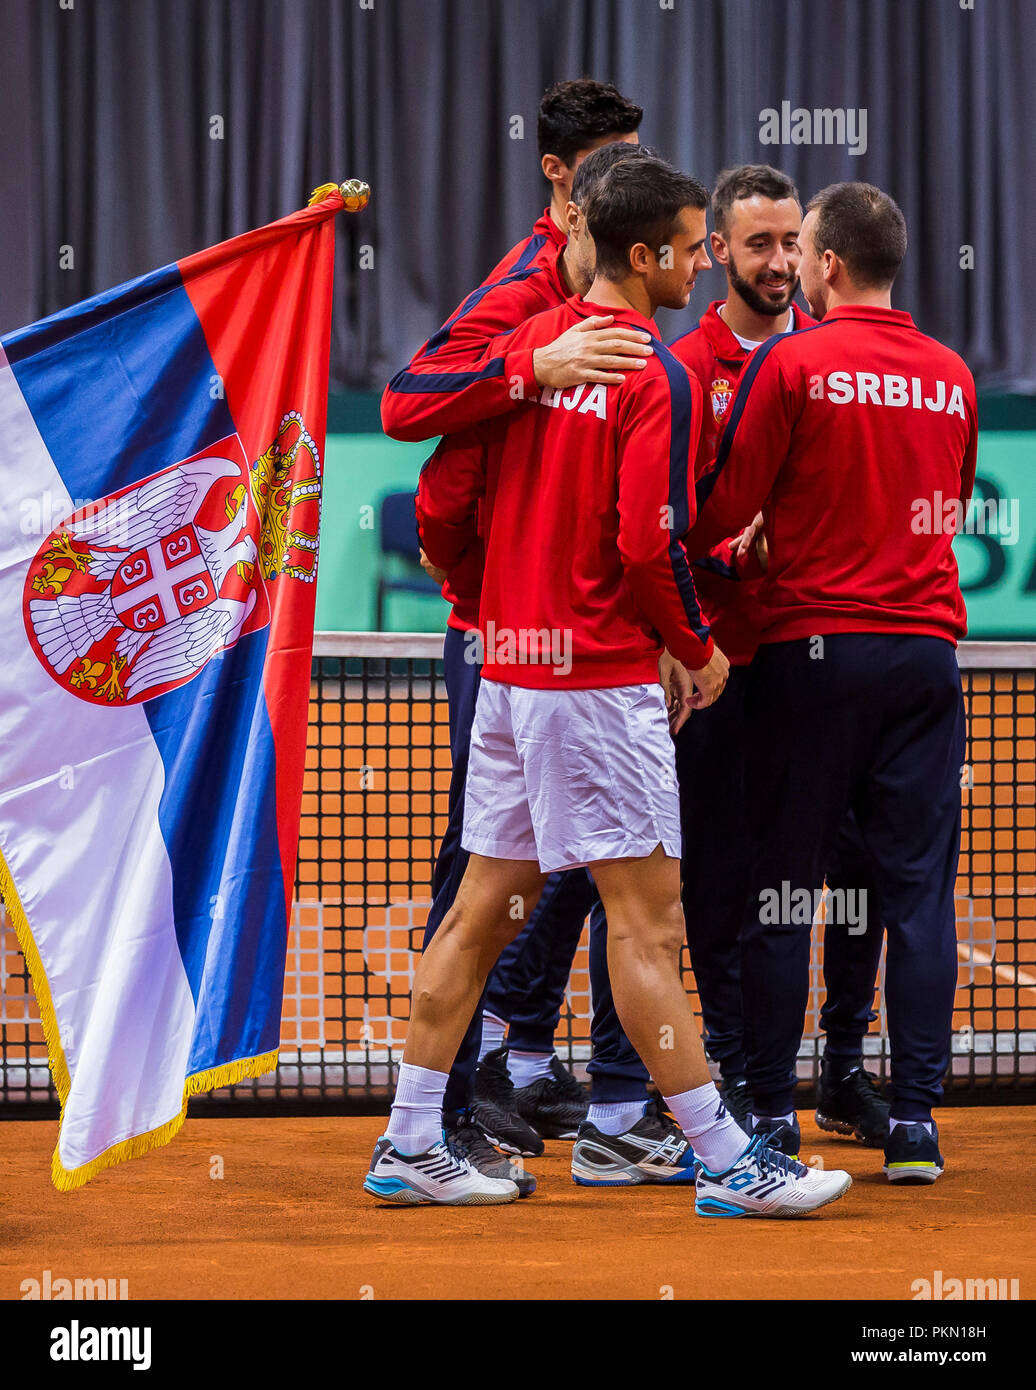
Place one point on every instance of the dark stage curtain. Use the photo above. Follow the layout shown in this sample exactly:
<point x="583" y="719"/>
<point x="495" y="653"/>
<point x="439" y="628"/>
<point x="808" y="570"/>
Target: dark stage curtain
<point x="107" y="109"/>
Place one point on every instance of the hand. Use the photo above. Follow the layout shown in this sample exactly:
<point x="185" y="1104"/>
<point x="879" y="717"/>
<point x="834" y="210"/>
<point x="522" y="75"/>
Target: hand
<point x="710" y="680"/>
<point x="437" y="574"/>
<point x="591" y="351"/>
<point x="744" y="540"/>
<point x="679" y="690"/>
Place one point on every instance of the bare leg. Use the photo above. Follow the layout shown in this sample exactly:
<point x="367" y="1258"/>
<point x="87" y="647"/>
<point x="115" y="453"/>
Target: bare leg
<point x="493" y="904"/>
<point x="646" y="931"/>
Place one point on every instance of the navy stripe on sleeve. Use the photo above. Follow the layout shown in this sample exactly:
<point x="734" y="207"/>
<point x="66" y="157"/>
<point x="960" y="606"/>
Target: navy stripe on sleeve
<point x="714" y="565"/>
<point x="534" y="245"/>
<point x="680" y="472"/>
<point x="431" y="383"/>
<point x="442" y="336"/>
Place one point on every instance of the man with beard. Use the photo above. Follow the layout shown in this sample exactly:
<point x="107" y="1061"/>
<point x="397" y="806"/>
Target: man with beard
<point x="583" y="479"/>
<point x="757" y="220"/>
<point x="854" y="701"/>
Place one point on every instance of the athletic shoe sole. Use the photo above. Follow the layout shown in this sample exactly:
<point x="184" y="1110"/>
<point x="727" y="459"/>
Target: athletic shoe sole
<point x="398" y="1192"/>
<point x="629" y="1180"/>
<point x="714" y="1206"/>
<point x="912" y="1174"/>
<point x="630" y="1176"/>
<point x="847" y="1129"/>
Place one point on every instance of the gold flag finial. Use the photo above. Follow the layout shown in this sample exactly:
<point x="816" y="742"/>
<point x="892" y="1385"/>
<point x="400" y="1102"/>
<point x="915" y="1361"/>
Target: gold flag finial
<point x="355" y="194"/>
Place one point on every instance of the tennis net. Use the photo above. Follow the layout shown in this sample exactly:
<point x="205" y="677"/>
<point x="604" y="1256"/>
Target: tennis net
<point x="374" y="807"/>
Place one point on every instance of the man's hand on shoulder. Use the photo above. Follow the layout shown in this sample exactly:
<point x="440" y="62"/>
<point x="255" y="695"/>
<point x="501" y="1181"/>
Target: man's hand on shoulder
<point x="591" y="351"/>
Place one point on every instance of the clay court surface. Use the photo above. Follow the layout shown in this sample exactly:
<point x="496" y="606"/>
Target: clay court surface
<point x="288" y="1220"/>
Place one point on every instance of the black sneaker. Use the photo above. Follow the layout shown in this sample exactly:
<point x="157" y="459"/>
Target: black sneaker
<point x="785" y="1138"/>
<point x="495" y="1110"/>
<point x="912" y="1155"/>
<point x="654" y="1150"/>
<point x="736" y="1096"/>
<point x="849" y="1102"/>
<point x="466" y="1139"/>
<point x="554" y="1105"/>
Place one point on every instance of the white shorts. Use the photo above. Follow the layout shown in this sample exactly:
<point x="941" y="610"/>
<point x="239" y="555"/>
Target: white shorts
<point x="569" y="777"/>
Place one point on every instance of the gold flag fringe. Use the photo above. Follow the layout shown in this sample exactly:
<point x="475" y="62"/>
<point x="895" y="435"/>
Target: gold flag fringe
<point x="67" y="1179"/>
<point x="319" y="194"/>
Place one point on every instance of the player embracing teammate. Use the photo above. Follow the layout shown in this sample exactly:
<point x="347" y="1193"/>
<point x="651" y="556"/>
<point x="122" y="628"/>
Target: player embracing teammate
<point x="572" y="765"/>
<point x="757" y="222"/>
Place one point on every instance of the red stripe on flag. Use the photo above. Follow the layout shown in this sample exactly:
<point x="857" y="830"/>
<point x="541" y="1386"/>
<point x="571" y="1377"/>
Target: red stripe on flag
<point x="264" y="303"/>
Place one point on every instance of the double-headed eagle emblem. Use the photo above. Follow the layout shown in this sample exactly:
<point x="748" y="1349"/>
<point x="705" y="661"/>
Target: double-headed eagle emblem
<point x="132" y="596"/>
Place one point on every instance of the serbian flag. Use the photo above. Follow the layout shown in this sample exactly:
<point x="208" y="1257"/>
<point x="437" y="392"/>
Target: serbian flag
<point x="160" y="466"/>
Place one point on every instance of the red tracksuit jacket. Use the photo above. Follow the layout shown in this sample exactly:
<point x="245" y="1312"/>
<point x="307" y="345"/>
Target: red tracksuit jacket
<point x="587" y="493"/>
<point x="536" y="249"/>
<point x="448" y="505"/>
<point x="858" y="439"/>
<point x="452" y="382"/>
<point x="500" y="307"/>
<point x="712" y="353"/>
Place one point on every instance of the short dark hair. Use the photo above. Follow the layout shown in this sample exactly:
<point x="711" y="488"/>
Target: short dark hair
<point x="599" y="161"/>
<point x="637" y="200"/>
<point x="864" y="227"/>
<point x="748" y="181"/>
<point x="574" y="114"/>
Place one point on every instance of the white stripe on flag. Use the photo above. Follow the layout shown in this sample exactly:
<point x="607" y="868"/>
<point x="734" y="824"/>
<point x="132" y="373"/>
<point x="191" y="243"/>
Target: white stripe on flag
<point x="79" y="794"/>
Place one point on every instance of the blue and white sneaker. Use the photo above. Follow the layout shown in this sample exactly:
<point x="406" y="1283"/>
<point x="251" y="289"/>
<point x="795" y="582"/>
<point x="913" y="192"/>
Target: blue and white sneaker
<point x="436" y="1176"/>
<point x="765" y="1182"/>
<point x="912" y="1154"/>
<point x="654" y="1150"/>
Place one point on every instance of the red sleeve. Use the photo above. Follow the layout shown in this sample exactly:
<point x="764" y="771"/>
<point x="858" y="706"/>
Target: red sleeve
<point x="449" y="490"/>
<point x="468" y="371"/>
<point x="659" y="422"/>
<point x="754" y="445"/>
<point x="723" y="560"/>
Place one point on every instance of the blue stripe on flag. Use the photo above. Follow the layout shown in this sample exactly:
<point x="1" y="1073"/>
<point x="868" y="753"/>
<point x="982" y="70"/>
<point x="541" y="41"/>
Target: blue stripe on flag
<point x="229" y="912"/>
<point x="87" y="371"/>
<point x="121" y="387"/>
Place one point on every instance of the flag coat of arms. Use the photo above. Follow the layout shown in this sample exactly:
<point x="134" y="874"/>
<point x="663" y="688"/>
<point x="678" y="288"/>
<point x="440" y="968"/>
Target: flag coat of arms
<point x="160" y="463"/>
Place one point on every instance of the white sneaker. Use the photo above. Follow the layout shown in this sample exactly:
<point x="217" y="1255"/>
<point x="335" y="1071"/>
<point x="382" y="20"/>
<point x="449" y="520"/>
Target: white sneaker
<point x="435" y="1176"/>
<point x="765" y="1182"/>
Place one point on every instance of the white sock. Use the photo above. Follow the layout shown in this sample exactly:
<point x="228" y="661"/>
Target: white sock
<point x="715" y="1135"/>
<point x="788" y="1119"/>
<point x="493" y="1030"/>
<point x="526" y="1067"/>
<point x="616" y="1117"/>
<point x="927" y="1124"/>
<point x="416" y="1120"/>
